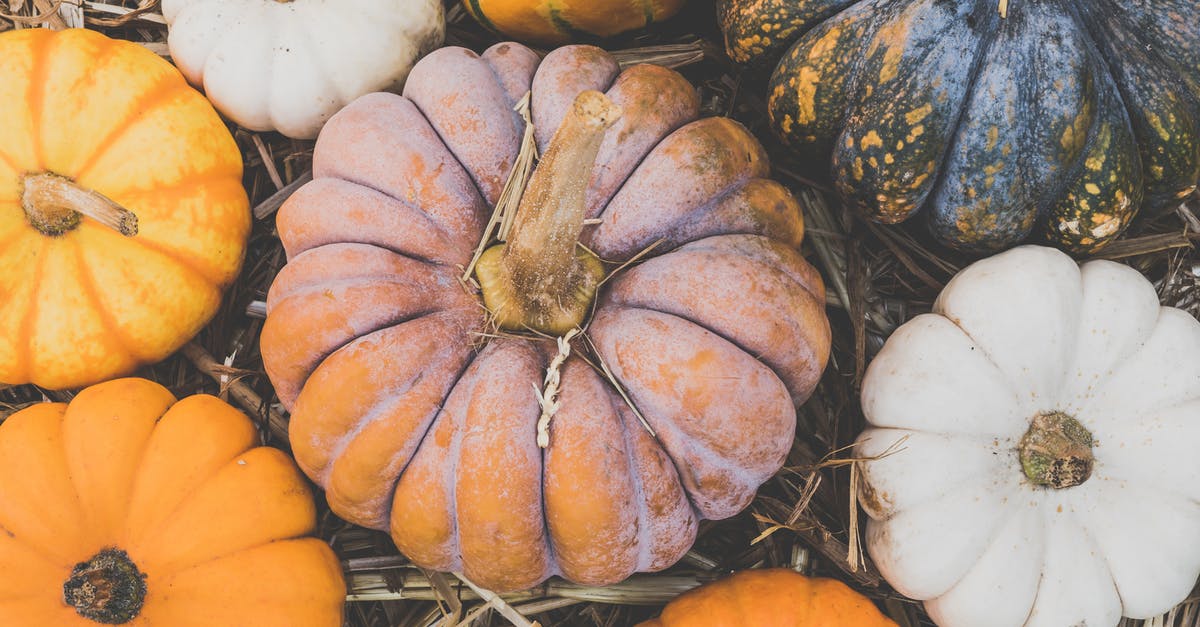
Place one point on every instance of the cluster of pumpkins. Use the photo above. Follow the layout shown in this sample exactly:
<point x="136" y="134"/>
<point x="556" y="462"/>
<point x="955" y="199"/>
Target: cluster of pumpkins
<point x="523" y="371"/>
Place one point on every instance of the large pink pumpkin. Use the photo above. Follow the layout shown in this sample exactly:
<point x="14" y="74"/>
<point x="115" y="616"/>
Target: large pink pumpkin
<point x="415" y="419"/>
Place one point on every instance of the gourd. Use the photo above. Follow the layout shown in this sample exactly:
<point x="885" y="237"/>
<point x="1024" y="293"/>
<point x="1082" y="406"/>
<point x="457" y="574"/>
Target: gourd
<point x="771" y="597"/>
<point x="553" y="22"/>
<point x="129" y="507"/>
<point x="287" y="65"/>
<point x="418" y="400"/>
<point x="122" y="212"/>
<point x="990" y="121"/>
<point x="1032" y="447"/>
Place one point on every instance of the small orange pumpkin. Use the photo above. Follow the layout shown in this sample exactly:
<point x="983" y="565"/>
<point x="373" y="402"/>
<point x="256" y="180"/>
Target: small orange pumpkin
<point x="554" y="22"/>
<point x="122" y="213"/>
<point x="771" y="597"/>
<point x="127" y="507"/>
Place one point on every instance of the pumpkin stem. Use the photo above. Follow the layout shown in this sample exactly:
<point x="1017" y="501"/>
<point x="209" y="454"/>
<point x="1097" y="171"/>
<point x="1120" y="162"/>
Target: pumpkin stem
<point x="1056" y="451"/>
<point x="107" y="589"/>
<point x="541" y="279"/>
<point x="54" y="205"/>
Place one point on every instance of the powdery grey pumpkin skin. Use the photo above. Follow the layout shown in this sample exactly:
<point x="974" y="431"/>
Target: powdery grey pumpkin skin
<point x="716" y="336"/>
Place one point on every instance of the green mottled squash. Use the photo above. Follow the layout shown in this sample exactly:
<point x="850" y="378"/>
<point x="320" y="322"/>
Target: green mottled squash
<point x="993" y="120"/>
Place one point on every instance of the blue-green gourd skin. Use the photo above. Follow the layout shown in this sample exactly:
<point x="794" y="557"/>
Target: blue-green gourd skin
<point x="1059" y="120"/>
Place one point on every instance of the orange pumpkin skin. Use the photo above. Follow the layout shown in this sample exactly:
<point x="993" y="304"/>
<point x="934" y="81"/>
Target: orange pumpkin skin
<point x="216" y="524"/>
<point x="551" y="22"/>
<point x="91" y="303"/>
<point x="415" y="423"/>
<point x="771" y="597"/>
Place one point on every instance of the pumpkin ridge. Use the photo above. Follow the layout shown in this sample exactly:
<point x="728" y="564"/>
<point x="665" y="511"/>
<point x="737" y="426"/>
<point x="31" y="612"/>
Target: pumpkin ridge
<point x="305" y="27"/>
<point x="183" y="501"/>
<point x="9" y="161"/>
<point x="953" y="130"/>
<point x="960" y="480"/>
<point x="685" y="439"/>
<point x="1090" y="537"/>
<point x="441" y="228"/>
<point x="301" y="209"/>
<point x="186" y="264"/>
<point x="160" y="573"/>
<point x="645" y="556"/>
<point x="383" y="408"/>
<point x="471" y="174"/>
<point x="17" y="233"/>
<point x="735" y="343"/>
<point x="639" y="492"/>
<point x="449" y="473"/>
<point x="852" y="85"/>
<point x="980" y="347"/>
<point x="36" y="550"/>
<point x="363" y="280"/>
<point x="146" y="103"/>
<point x="1100" y="60"/>
<point x="598" y="212"/>
<point x="299" y="285"/>
<point x="87" y="285"/>
<point x="700" y="210"/>
<point x="733" y="186"/>
<point x="687" y="480"/>
<point x="36" y="95"/>
<point x="187" y="183"/>
<point x="1108" y="50"/>
<point x="25" y="349"/>
<point x="518" y="121"/>
<point x="318" y="362"/>
<point x="163" y="578"/>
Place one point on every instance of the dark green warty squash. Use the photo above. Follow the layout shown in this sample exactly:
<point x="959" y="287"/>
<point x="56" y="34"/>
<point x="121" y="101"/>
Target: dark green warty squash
<point x="991" y="119"/>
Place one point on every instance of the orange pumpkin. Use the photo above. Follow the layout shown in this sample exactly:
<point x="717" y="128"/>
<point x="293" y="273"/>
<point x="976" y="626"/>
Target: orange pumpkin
<point x="553" y="22"/>
<point x="413" y="421"/>
<point x="122" y="213"/>
<point x="772" y="597"/>
<point x="127" y="507"/>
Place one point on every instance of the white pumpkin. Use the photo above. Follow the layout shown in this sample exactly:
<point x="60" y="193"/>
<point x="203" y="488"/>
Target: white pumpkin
<point x="1113" y="380"/>
<point x="288" y="65"/>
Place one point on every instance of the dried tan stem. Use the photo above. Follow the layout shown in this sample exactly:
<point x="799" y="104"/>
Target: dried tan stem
<point x="242" y="394"/>
<point x="550" y="217"/>
<point x="540" y="279"/>
<point x="54" y="205"/>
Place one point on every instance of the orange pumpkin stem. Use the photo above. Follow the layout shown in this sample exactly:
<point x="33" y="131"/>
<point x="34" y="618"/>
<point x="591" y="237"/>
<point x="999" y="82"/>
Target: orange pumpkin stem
<point x="55" y="204"/>
<point x="107" y="589"/>
<point x="541" y="279"/>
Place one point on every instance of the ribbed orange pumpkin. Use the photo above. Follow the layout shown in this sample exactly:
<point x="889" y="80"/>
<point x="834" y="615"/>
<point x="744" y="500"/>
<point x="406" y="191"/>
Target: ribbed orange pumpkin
<point x="772" y="597"/>
<point x="127" y="507"/>
<point x="415" y="418"/>
<point x="553" y="22"/>
<point x="122" y="213"/>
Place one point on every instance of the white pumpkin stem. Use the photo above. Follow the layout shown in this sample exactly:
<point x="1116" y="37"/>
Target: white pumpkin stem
<point x="1056" y="451"/>
<point x="54" y="205"/>
<point x="1003" y="9"/>
<point x="541" y="279"/>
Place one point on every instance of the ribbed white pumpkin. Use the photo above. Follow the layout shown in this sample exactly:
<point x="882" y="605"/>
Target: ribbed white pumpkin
<point x="955" y="520"/>
<point x="288" y="65"/>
